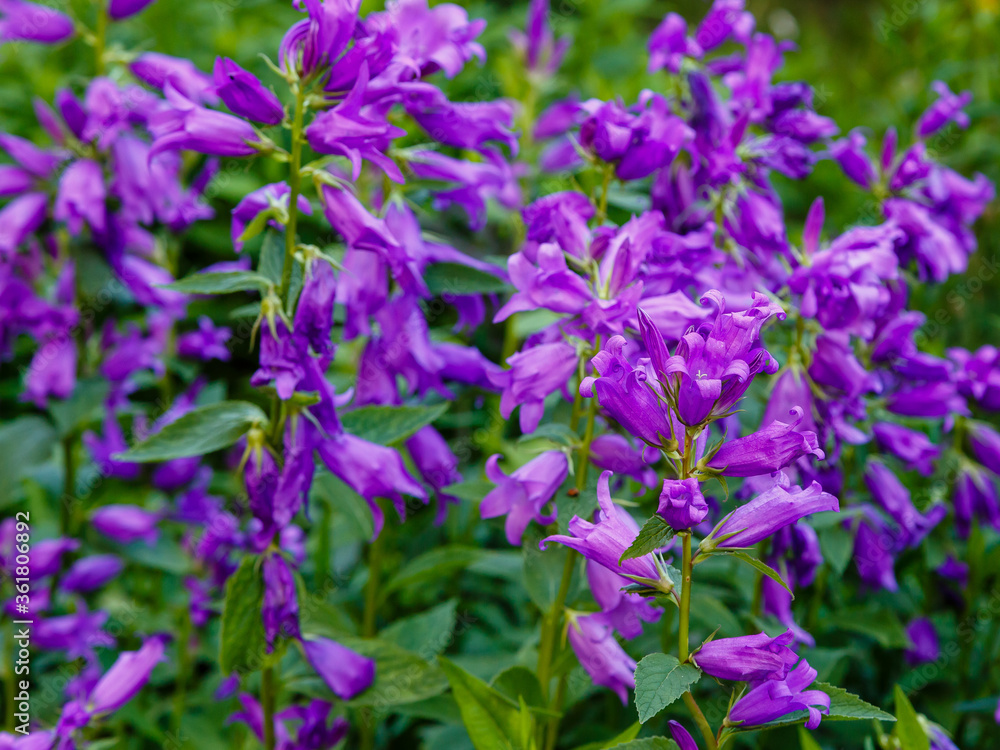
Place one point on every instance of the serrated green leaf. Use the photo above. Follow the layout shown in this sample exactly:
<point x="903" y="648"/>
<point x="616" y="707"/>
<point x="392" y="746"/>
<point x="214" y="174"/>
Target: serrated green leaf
<point x="200" y="431"/>
<point x="455" y="279"/>
<point x="426" y="634"/>
<point x="844" y="706"/>
<point x="758" y="565"/>
<point x="492" y="721"/>
<point x="386" y="425"/>
<point x="909" y="732"/>
<point x="557" y="433"/>
<point x="655" y="533"/>
<point x="659" y="681"/>
<point x="242" y="645"/>
<point x="220" y="282"/>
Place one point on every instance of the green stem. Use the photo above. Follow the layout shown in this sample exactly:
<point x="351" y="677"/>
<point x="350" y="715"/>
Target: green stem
<point x="295" y="185"/>
<point x="685" y="615"/>
<point x="552" y="735"/>
<point x="268" y="699"/>
<point x="183" y="666"/>
<point x="701" y="721"/>
<point x="100" y="36"/>
<point x="69" y="487"/>
<point x="551" y="622"/>
<point x="602" y="206"/>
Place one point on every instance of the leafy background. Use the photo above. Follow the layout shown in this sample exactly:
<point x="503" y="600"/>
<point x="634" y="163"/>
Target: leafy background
<point x="471" y="596"/>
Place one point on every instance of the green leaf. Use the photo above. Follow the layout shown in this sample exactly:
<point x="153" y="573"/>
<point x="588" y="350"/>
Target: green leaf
<point x="759" y="566"/>
<point x="837" y="545"/>
<point x="627" y="736"/>
<point x="650" y="743"/>
<point x="844" y="706"/>
<point x="272" y="256"/>
<point x="386" y="425"/>
<point x="258" y="224"/>
<point x="557" y="433"/>
<point x="806" y="741"/>
<point x="655" y="533"/>
<point x="519" y="682"/>
<point x="242" y="643"/>
<point x="543" y="570"/>
<point x="660" y="680"/>
<point x="400" y="676"/>
<point x="220" y="282"/>
<point x="24" y="442"/>
<point x="909" y="732"/>
<point x="456" y="279"/>
<point x="426" y="634"/>
<point x="85" y="405"/>
<point x="200" y="431"/>
<point x="492" y="721"/>
<point x="434" y="564"/>
<point x="882" y="625"/>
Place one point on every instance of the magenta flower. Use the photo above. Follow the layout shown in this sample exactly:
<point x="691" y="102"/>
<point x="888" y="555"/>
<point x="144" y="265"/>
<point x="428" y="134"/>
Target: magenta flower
<point x="522" y="495"/>
<point x="127" y="676"/>
<point x="533" y="375"/>
<point x="346" y="672"/>
<point x="766" y="451"/>
<point x="23" y="21"/>
<point x="681" y="503"/>
<point x="772" y="699"/>
<point x="126" y="523"/>
<point x="121" y="9"/>
<point x="601" y="655"/>
<point x="244" y="94"/>
<point x="747" y="658"/>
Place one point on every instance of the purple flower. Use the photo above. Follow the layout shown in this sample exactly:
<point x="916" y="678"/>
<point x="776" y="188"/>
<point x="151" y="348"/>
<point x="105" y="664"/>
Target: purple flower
<point x="208" y="342"/>
<point x="436" y="462"/>
<point x="873" y="554"/>
<point x="616" y="453"/>
<point x="466" y="125"/>
<point x="345" y="672"/>
<point x="850" y="154"/>
<point x="747" y="658"/>
<point x="372" y="471"/>
<point x="712" y="368"/>
<point x="924" y="642"/>
<point x="772" y="699"/>
<point x="669" y="44"/>
<point x="894" y="498"/>
<point x="89" y="573"/>
<point x="81" y="196"/>
<point x="158" y="70"/>
<point x="623" y="611"/>
<point x="188" y="126"/>
<point x="975" y="498"/>
<point x="605" y="541"/>
<point x="438" y="38"/>
<point x="271" y="199"/>
<point x="314" y="313"/>
<point x="19" y="218"/>
<point x="22" y="21"/>
<point x="120" y="9"/>
<point x="244" y="94"/>
<point x="681" y="503"/>
<point x="127" y="676"/>
<point x="626" y="393"/>
<point x="681" y="736"/>
<point x="532" y="376"/>
<point x="542" y="52"/>
<point x="549" y="284"/>
<point x="52" y="372"/>
<point x="281" y="607"/>
<point x="126" y="523"/>
<point x="601" y="655"/>
<point x="913" y="447"/>
<point x="947" y="108"/>
<point x="769" y="512"/>
<point x="725" y="19"/>
<point x="766" y="451"/>
<point x="76" y="634"/>
<point x="521" y="495"/>
<point x="46" y="555"/>
<point x="985" y="443"/>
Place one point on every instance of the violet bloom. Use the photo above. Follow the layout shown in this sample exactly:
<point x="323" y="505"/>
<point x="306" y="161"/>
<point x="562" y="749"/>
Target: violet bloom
<point x="23" y="21"/>
<point x="103" y="448"/>
<point x="208" y="342"/>
<point x="89" y="573"/>
<point x="46" y="556"/>
<point x="627" y="395"/>
<point x="281" y="608"/>
<point x="346" y="672"/>
<point x="681" y="736"/>
<point x="924" y="642"/>
<point x="985" y="442"/>
<point x="681" y="503"/>
<point x="188" y="126"/>
<point x="873" y="554"/>
<point x="533" y="375"/>
<point x="605" y="541"/>
<point x="521" y="495"/>
<point x="975" y="498"/>
<point x="272" y="199"/>
<point x="772" y="699"/>
<point x="948" y="108"/>
<point x="766" y="451"/>
<point x="747" y="658"/>
<point x="542" y="52"/>
<point x="76" y="634"/>
<point x="910" y="446"/>
<point x="621" y="610"/>
<point x="669" y="44"/>
<point x="81" y="197"/>
<point x="849" y="153"/>
<point x="372" y="471"/>
<point x="616" y="453"/>
<point x="548" y="282"/>
<point x="894" y="498"/>
<point x="126" y="523"/>
<point x="20" y="218"/>
<point x="712" y="367"/>
<point x="244" y="94"/>
<point x="769" y="512"/>
<point x="601" y="655"/>
<point x="127" y="676"/>
<point x="121" y="9"/>
<point x="158" y="70"/>
<point x="437" y="464"/>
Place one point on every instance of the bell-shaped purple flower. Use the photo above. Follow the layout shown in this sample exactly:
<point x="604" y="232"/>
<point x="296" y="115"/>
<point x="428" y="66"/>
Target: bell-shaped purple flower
<point x="601" y="655"/>
<point x="766" y="451"/>
<point x="89" y="573"/>
<point x="28" y="22"/>
<point x="533" y="375"/>
<point x="910" y="446"/>
<point x="948" y="108"/>
<point x="127" y="676"/>
<point x="521" y="495"/>
<point x="346" y="672"/>
<point x="681" y="736"/>
<point x="19" y="218"/>
<point x="621" y="610"/>
<point x="769" y="512"/>
<point x="616" y="453"/>
<point x="126" y="523"/>
<point x="121" y="9"/>
<point x="747" y="658"/>
<point x="669" y="44"/>
<point x="158" y="70"/>
<point x="681" y="503"/>
<point x="924" y="642"/>
<point x="206" y="343"/>
<point x="185" y="125"/>
<point x="874" y="546"/>
<point x="772" y="699"/>
<point x="281" y="607"/>
<point x="244" y="94"/>
<point x="437" y="464"/>
<point x="894" y="498"/>
<point x="605" y="541"/>
<point x="985" y="443"/>
<point x="975" y="499"/>
<point x="547" y="283"/>
<point x="81" y="197"/>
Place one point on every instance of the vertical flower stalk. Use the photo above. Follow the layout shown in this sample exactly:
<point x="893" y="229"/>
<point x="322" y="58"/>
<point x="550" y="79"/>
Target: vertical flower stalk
<point x="295" y="184"/>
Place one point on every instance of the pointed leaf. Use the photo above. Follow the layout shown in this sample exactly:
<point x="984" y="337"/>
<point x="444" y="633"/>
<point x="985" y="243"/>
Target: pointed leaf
<point x="242" y="645"/>
<point x="200" y="431"/>
<point x="844" y="706"/>
<point x="655" y="533"/>
<point x="492" y="721"/>
<point x="909" y="732"/>
<point x="455" y="279"/>
<point x="220" y="282"/>
<point x="660" y="680"/>
<point x="386" y="425"/>
<point x="762" y="567"/>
